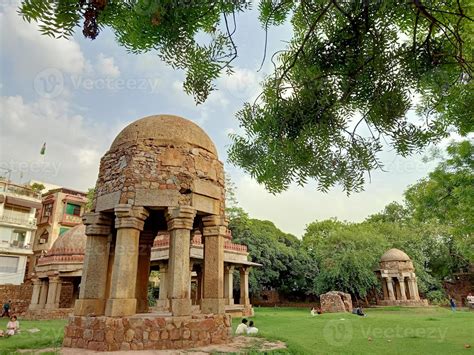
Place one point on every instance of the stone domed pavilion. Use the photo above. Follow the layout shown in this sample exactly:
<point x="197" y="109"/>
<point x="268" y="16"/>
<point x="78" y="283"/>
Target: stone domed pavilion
<point x="161" y="176"/>
<point x="399" y="284"/>
<point x="57" y="274"/>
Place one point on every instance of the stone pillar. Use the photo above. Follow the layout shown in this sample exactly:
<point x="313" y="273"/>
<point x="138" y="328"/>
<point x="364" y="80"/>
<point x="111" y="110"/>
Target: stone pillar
<point x="129" y="223"/>
<point x="384" y="288"/>
<point x="391" y="294"/>
<point x="163" y="301"/>
<point x="244" y="286"/>
<point x="414" y="284"/>
<point x="54" y="283"/>
<point x="199" y="287"/>
<point x="401" y="282"/>
<point x="191" y="265"/>
<point x="92" y="291"/>
<point x="35" y="296"/>
<point x="229" y="285"/>
<point x="143" y="271"/>
<point x="180" y="222"/>
<point x="214" y="232"/>
<point x="43" y="294"/>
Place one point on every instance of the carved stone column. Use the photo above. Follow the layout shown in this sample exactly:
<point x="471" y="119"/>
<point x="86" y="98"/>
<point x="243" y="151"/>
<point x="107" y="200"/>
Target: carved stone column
<point x="384" y="288"/>
<point x="92" y="293"/>
<point x="244" y="286"/>
<point x="163" y="299"/>
<point x="414" y="283"/>
<point x="391" y="294"/>
<point x="43" y="294"/>
<point x="401" y="281"/>
<point x="129" y="223"/>
<point x="52" y="301"/>
<point x="180" y="222"/>
<point x="214" y="232"/>
<point x="229" y="285"/>
<point x="35" y="296"/>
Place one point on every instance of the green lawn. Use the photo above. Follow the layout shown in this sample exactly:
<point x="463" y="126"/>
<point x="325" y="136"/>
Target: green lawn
<point x="50" y="335"/>
<point x="391" y="330"/>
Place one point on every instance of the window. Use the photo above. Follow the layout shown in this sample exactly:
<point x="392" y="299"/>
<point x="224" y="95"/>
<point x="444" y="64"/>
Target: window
<point x="63" y="230"/>
<point x="47" y="210"/>
<point x="18" y="238"/>
<point x="73" y="209"/>
<point x="9" y="264"/>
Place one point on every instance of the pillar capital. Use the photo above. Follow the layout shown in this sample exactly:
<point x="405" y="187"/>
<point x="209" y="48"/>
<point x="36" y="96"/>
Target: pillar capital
<point x="214" y="220"/>
<point x="127" y="216"/>
<point x="229" y="268"/>
<point x="180" y="217"/>
<point x="97" y="223"/>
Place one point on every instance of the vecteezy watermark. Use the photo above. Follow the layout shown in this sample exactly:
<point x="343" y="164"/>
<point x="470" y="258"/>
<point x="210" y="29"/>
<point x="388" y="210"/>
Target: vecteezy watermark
<point x="49" y="168"/>
<point x="405" y="332"/>
<point x="51" y="82"/>
<point x="338" y="332"/>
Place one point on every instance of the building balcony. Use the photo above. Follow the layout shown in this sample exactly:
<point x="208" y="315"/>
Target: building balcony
<point x="23" y="221"/>
<point x="15" y="247"/>
<point x="71" y="220"/>
<point x="18" y="190"/>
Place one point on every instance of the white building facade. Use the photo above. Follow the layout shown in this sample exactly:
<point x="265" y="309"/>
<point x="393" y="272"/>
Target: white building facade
<point x="18" y="205"/>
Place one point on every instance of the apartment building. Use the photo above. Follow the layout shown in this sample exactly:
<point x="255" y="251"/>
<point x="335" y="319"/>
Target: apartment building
<point x="18" y="206"/>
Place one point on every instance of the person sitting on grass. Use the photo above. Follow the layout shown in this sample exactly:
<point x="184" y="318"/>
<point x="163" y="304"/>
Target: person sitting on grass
<point x="242" y="328"/>
<point x="315" y="311"/>
<point x="251" y="329"/>
<point x="13" y="326"/>
<point x="358" y="311"/>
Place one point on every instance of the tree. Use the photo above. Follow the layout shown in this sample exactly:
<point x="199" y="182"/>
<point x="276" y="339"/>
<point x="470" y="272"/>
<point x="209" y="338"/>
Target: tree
<point x="344" y="83"/>
<point x="90" y="198"/>
<point x="287" y="266"/>
<point x="446" y="197"/>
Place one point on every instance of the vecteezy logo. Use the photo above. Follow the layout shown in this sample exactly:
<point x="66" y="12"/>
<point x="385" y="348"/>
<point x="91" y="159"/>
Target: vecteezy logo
<point x="338" y="332"/>
<point x="49" y="83"/>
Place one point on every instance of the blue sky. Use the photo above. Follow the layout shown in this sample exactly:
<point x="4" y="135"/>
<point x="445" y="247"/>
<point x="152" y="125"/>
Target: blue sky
<point x="77" y="95"/>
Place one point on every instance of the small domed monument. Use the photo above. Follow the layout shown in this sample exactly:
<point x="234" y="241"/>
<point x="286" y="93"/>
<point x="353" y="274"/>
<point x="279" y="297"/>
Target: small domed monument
<point x="58" y="273"/>
<point x="398" y="278"/>
<point x="160" y="175"/>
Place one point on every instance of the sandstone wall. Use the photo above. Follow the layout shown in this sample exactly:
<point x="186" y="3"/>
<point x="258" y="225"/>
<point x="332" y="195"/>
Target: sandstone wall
<point x="20" y="295"/>
<point x="138" y="333"/>
<point x="60" y="313"/>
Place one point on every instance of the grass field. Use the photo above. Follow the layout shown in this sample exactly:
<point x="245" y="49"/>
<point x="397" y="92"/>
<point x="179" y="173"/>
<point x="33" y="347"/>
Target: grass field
<point x="49" y="336"/>
<point x="384" y="331"/>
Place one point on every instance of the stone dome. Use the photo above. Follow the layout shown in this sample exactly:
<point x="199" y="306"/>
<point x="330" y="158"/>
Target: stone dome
<point x="394" y="255"/>
<point x="71" y="242"/>
<point x="165" y="129"/>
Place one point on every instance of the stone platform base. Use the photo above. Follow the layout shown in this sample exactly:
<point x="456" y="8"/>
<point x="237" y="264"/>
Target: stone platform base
<point x="58" y="313"/>
<point x="146" y="331"/>
<point x="407" y="303"/>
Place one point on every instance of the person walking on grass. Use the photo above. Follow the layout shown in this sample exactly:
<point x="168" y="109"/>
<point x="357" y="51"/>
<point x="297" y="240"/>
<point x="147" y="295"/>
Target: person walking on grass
<point x="452" y="303"/>
<point x="6" y="309"/>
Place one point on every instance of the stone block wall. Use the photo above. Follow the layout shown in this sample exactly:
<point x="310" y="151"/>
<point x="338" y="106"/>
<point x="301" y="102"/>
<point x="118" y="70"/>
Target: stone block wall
<point x="146" y="332"/>
<point x="20" y="295"/>
<point x="59" y="313"/>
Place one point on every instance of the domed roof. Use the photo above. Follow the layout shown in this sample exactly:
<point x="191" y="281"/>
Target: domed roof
<point x="72" y="241"/>
<point x="167" y="129"/>
<point x="394" y="255"/>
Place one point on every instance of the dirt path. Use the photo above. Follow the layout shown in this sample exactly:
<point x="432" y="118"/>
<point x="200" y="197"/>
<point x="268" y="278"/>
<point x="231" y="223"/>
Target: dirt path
<point x="238" y="345"/>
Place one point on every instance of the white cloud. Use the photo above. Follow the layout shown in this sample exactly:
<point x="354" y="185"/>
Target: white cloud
<point x="73" y="144"/>
<point x="106" y="66"/>
<point x="242" y="85"/>
<point x="31" y="52"/>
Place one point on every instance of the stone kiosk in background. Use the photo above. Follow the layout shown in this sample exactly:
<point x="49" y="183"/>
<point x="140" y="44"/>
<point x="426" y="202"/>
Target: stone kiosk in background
<point x="161" y="174"/>
<point x="398" y="278"/>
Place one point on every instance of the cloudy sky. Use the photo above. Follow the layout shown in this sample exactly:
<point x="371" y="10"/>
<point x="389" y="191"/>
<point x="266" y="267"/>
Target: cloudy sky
<point x="76" y="95"/>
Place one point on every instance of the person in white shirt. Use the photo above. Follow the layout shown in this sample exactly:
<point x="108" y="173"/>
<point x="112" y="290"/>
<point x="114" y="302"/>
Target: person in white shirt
<point x="470" y="300"/>
<point x="241" y="328"/>
<point x="251" y="329"/>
